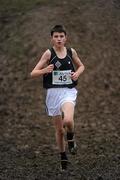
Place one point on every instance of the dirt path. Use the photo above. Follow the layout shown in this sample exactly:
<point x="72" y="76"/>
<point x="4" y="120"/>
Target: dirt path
<point x="27" y="143"/>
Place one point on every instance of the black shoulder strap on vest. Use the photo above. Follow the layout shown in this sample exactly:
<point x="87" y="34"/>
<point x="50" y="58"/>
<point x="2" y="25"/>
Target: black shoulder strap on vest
<point x="69" y="53"/>
<point x="53" y="54"/>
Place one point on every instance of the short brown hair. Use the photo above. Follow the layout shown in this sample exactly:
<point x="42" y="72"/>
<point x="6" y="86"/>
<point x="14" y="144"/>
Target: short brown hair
<point x="58" y="28"/>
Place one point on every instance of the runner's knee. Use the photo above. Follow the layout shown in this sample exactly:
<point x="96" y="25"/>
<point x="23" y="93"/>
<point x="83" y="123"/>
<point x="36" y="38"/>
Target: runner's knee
<point x="68" y="121"/>
<point x="60" y="131"/>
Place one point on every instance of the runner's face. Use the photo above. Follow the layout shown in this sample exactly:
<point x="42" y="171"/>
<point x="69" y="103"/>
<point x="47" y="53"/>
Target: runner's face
<point x="58" y="39"/>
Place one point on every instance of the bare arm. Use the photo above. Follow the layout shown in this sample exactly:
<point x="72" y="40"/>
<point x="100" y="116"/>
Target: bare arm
<point x="78" y="64"/>
<point x="41" y="67"/>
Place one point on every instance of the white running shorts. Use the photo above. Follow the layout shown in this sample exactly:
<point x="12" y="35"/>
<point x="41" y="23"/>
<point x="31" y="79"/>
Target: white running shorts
<point x="56" y="97"/>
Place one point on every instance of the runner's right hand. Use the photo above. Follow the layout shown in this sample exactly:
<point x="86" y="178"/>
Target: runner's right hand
<point x="49" y="68"/>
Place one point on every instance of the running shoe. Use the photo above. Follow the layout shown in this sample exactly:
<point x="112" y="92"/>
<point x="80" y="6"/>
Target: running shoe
<point x="64" y="164"/>
<point x="72" y="146"/>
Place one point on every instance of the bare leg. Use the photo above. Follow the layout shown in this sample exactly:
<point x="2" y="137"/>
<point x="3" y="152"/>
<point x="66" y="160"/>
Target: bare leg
<point x="68" y="110"/>
<point x="58" y="123"/>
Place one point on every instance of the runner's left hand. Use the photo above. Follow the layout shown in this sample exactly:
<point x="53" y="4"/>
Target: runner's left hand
<point x="74" y="76"/>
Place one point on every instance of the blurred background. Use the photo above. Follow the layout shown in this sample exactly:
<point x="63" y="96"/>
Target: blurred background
<point x="27" y="141"/>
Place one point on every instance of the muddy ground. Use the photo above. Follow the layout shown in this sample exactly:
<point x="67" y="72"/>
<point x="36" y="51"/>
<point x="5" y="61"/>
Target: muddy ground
<point x="27" y="142"/>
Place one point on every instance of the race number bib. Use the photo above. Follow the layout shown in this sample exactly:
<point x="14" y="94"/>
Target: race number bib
<point x="61" y="77"/>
